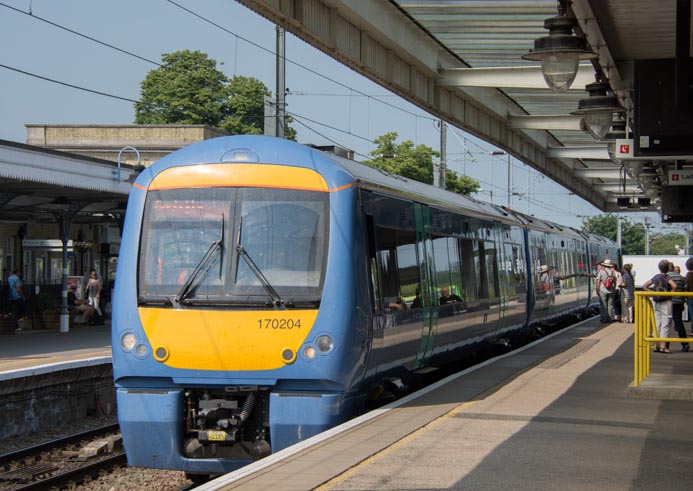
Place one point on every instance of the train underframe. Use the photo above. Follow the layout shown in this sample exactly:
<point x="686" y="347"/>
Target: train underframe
<point x="213" y="430"/>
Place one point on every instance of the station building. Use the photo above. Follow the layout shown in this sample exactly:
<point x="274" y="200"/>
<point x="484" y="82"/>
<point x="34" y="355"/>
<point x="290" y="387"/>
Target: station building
<point x="79" y="176"/>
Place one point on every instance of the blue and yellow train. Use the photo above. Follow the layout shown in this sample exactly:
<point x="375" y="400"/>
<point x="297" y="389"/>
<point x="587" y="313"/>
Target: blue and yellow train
<point x="266" y="290"/>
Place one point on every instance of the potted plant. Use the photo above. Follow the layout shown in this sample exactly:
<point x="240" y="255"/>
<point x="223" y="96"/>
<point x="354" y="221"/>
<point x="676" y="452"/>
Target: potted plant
<point x="48" y="310"/>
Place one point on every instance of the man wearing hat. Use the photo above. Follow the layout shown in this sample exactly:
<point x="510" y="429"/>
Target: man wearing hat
<point x="606" y="286"/>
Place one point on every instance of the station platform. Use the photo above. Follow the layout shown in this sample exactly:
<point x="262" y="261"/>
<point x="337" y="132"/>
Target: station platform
<point x="35" y="352"/>
<point x="559" y="414"/>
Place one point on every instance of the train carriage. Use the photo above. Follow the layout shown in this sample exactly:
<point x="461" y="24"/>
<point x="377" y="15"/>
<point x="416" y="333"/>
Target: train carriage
<point x="267" y="289"/>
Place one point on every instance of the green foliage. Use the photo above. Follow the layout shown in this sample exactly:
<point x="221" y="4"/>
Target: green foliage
<point x="189" y="89"/>
<point x="634" y="236"/>
<point x="245" y="103"/>
<point x="415" y="162"/>
<point x="665" y="244"/>
<point x="604" y="225"/>
<point x="186" y="89"/>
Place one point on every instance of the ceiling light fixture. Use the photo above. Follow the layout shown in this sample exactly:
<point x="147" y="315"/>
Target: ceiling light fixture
<point x="617" y="132"/>
<point x="598" y="109"/>
<point x="560" y="51"/>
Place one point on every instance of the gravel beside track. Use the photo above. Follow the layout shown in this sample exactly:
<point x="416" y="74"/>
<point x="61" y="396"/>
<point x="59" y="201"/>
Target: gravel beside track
<point x="127" y="478"/>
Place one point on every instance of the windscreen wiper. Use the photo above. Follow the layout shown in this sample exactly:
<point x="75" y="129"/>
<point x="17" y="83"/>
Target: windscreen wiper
<point x="216" y="245"/>
<point x="271" y="292"/>
<point x="192" y="279"/>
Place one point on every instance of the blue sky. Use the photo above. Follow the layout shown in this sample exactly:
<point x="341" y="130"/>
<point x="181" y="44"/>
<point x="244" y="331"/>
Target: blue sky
<point x="348" y="113"/>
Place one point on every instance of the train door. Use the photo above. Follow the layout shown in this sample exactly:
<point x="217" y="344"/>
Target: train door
<point x="506" y="288"/>
<point x="542" y="277"/>
<point x="427" y="284"/>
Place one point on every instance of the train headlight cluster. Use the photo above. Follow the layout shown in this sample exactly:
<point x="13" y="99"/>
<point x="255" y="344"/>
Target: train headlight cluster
<point x="323" y="344"/>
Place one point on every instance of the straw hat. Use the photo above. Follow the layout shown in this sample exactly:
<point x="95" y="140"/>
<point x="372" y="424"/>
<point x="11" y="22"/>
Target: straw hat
<point x="543" y="268"/>
<point x="607" y="263"/>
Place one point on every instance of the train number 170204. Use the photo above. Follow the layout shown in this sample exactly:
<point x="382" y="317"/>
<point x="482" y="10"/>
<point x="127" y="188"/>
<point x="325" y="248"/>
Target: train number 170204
<point x="279" y="323"/>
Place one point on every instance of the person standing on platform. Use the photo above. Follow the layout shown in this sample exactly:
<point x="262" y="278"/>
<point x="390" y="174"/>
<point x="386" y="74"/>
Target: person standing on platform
<point x="16" y="297"/>
<point x="94" y="291"/>
<point x="677" y="305"/>
<point x="662" y="305"/>
<point x="689" y="288"/>
<point x="606" y="284"/>
<point x="627" y="294"/>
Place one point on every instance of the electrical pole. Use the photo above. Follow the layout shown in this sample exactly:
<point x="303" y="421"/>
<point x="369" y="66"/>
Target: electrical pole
<point x="443" y="154"/>
<point x="281" y="82"/>
<point x="510" y="183"/>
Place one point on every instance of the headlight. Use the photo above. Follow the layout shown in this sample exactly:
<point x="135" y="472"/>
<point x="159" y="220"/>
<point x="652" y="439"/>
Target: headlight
<point x="128" y="341"/>
<point x="324" y="343"/>
<point x="309" y="352"/>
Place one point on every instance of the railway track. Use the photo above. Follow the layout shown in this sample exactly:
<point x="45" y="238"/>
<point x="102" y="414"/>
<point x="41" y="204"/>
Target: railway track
<point x="60" y="462"/>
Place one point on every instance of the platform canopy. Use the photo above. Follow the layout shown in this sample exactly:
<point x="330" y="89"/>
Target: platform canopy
<point x="461" y="60"/>
<point x="38" y="185"/>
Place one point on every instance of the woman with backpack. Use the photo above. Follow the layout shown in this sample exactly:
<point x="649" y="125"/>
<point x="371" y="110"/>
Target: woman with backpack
<point x="662" y="305"/>
<point x="606" y="284"/>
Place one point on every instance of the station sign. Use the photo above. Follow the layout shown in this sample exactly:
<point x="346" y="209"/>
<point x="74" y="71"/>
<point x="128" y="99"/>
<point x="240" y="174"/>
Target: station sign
<point x="681" y="177"/>
<point x="51" y="244"/>
<point x="623" y="148"/>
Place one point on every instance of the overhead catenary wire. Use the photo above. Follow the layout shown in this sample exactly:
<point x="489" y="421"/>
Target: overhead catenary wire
<point x="72" y="31"/>
<point x="353" y="92"/>
<point x="288" y="60"/>
<point x="328" y="138"/>
<point x="191" y="12"/>
<point x="52" y="80"/>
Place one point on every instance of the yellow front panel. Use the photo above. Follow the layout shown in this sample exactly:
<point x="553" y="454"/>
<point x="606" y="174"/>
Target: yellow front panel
<point x="242" y="175"/>
<point x="226" y="340"/>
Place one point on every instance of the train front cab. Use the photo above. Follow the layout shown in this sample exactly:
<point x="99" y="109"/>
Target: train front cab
<point x="216" y="372"/>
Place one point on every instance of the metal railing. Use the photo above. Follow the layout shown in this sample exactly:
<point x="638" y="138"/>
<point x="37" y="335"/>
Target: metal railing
<point x="646" y="331"/>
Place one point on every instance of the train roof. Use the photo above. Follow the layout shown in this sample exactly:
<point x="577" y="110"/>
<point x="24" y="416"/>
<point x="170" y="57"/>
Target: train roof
<point x="274" y="150"/>
<point x="547" y="225"/>
<point x="379" y="180"/>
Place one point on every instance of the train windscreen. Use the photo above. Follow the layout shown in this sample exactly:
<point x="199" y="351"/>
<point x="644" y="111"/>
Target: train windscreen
<point x="233" y="245"/>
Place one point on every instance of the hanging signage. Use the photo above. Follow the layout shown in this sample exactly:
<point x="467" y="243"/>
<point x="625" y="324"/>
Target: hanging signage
<point x="623" y="148"/>
<point x="681" y="177"/>
<point x="52" y="244"/>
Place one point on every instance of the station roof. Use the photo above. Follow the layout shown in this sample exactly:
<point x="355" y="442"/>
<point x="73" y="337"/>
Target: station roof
<point x="432" y="52"/>
<point x="35" y="184"/>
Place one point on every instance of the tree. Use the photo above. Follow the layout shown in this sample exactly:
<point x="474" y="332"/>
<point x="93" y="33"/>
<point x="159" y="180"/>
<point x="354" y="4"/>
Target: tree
<point x="415" y="162"/>
<point x="186" y="89"/>
<point x="632" y="234"/>
<point x="189" y="89"/>
<point x="665" y="244"/>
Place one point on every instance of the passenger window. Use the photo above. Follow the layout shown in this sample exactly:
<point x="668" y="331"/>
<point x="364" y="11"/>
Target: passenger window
<point x="446" y="255"/>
